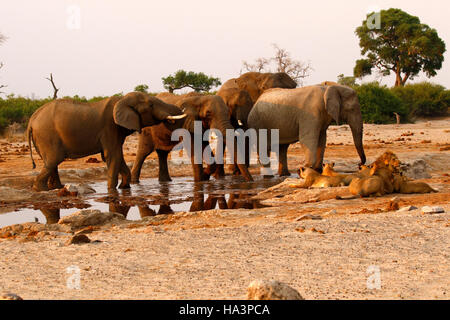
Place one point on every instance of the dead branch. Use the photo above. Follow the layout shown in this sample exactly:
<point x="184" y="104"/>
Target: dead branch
<point x="55" y="89"/>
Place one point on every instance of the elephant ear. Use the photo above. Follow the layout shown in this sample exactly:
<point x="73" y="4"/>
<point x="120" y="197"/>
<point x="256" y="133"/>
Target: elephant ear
<point x="125" y="115"/>
<point x="333" y="103"/>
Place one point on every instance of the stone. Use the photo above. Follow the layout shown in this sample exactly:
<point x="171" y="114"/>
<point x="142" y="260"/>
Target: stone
<point x="80" y="189"/>
<point x="331" y="212"/>
<point x="308" y="217"/>
<point x="85" y="218"/>
<point x="78" y="239"/>
<point x="431" y="210"/>
<point x="10" y="296"/>
<point x="416" y="169"/>
<point x="271" y="290"/>
<point x="407" y="208"/>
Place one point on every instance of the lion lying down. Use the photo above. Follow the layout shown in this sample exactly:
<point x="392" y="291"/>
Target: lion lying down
<point x="381" y="177"/>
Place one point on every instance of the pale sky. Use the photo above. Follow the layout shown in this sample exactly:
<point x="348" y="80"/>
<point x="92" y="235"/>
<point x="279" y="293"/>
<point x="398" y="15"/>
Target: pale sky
<point x="120" y="44"/>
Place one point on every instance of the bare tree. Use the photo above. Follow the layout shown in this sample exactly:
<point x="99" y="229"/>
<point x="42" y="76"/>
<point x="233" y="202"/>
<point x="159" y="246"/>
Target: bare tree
<point x="258" y="66"/>
<point x="281" y="62"/>
<point x="55" y="89"/>
<point x="2" y="39"/>
<point x="2" y="85"/>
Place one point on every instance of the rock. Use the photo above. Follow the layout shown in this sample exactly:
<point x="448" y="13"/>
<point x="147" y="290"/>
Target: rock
<point x="78" y="239"/>
<point x="431" y="210"/>
<point x="407" y="208"/>
<point x="308" y="217"/>
<point x="84" y="218"/>
<point x="10" y="296"/>
<point x="331" y="212"/>
<point x="80" y="189"/>
<point x="71" y="188"/>
<point x="271" y="290"/>
<point x="416" y="169"/>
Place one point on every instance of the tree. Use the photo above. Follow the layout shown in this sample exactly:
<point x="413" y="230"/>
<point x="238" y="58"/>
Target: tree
<point x="197" y="81"/>
<point x="401" y="45"/>
<point x="347" y="81"/>
<point x="141" y="88"/>
<point x="2" y="39"/>
<point x="55" y="89"/>
<point x="281" y="62"/>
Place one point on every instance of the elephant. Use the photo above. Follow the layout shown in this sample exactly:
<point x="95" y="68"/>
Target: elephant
<point x="66" y="129"/>
<point x="240" y="94"/>
<point x="210" y="110"/>
<point x="255" y="83"/>
<point x="158" y="138"/>
<point x="304" y="114"/>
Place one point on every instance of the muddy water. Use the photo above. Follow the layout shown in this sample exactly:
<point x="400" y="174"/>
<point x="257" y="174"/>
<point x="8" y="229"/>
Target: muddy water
<point x="151" y="197"/>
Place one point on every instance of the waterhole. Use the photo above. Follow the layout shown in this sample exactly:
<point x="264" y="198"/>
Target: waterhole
<point x="149" y="197"/>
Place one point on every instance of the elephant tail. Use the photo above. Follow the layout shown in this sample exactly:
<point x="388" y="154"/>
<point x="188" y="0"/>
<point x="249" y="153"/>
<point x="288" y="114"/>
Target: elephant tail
<point x="30" y="137"/>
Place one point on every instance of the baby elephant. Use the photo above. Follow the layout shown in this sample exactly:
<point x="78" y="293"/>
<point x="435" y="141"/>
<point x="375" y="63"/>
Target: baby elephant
<point x="66" y="129"/>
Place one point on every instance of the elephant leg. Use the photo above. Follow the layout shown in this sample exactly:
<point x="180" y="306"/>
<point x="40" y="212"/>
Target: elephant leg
<point x="145" y="148"/>
<point x="199" y="174"/>
<point x="137" y="165"/>
<point x="53" y="181"/>
<point x="40" y="184"/>
<point x="114" y="164"/>
<point x="163" y="167"/>
<point x="282" y="161"/>
<point x="321" y="150"/>
<point x="310" y="144"/>
<point x="126" y="175"/>
<point x="220" y="171"/>
<point x="266" y="171"/>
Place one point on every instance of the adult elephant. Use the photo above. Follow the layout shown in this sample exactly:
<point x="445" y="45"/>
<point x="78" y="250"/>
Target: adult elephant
<point x="304" y="114"/>
<point x="210" y="110"/>
<point x="66" y="129"/>
<point x="158" y="138"/>
<point x="255" y="83"/>
<point x="240" y="94"/>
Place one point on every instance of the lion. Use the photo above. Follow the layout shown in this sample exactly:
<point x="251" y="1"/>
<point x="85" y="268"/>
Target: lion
<point x="313" y="179"/>
<point x="328" y="170"/>
<point x="388" y="159"/>
<point x="402" y="185"/>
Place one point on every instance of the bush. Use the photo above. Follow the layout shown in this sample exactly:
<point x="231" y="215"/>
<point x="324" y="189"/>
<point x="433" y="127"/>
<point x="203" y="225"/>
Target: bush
<point x="424" y="99"/>
<point x="378" y="104"/>
<point x="19" y="109"/>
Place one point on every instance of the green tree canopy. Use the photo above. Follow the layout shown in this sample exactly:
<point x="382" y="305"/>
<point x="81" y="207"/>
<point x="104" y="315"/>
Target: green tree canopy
<point x="401" y="45"/>
<point x="347" y="80"/>
<point x="141" y="88"/>
<point x="197" y="81"/>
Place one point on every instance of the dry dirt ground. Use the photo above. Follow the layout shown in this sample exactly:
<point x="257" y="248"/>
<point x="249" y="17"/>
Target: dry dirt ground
<point x="215" y="254"/>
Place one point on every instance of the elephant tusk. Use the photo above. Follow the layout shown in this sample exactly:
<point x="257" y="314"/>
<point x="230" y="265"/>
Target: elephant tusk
<point x="181" y="116"/>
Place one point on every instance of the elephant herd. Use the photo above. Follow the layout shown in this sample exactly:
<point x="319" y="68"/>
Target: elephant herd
<point x="63" y="128"/>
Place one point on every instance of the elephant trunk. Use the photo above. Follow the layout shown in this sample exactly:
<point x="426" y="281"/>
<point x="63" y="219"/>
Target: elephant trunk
<point x="223" y="126"/>
<point x="356" y="125"/>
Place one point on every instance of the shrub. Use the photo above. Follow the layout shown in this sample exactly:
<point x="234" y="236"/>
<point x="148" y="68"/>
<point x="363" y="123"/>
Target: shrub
<point x="378" y="104"/>
<point x="424" y="99"/>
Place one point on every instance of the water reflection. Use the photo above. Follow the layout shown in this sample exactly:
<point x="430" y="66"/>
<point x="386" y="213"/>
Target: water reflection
<point x="185" y="195"/>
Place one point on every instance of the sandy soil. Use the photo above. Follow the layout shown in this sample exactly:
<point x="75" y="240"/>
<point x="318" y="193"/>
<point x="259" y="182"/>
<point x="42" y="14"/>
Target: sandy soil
<point x="215" y="254"/>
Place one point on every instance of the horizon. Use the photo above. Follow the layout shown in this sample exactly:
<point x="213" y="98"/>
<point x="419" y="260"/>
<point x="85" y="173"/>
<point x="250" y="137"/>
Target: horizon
<point x="116" y="46"/>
